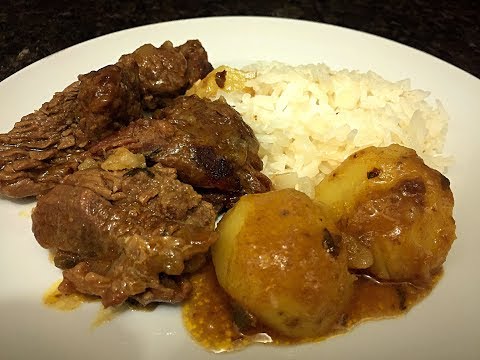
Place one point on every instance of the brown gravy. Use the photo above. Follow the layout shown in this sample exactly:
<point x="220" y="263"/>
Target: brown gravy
<point x="55" y="299"/>
<point x="209" y="316"/>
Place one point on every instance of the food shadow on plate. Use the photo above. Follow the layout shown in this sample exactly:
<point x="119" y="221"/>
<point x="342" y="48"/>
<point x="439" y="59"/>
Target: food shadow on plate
<point x="21" y="201"/>
<point x="29" y="329"/>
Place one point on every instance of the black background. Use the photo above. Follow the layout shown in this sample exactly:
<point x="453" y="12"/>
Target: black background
<point x="31" y="30"/>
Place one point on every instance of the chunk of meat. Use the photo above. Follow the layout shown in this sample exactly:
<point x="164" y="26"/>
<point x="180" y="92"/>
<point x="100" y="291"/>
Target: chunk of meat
<point x="107" y="97"/>
<point x="125" y="234"/>
<point x="48" y="144"/>
<point x="168" y="71"/>
<point x="197" y="62"/>
<point x="206" y="141"/>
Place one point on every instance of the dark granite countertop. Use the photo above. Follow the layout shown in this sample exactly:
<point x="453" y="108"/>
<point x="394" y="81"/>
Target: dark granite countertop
<point x="31" y="30"/>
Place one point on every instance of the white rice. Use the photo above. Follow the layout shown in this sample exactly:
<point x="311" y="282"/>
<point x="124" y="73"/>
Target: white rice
<point x="309" y="118"/>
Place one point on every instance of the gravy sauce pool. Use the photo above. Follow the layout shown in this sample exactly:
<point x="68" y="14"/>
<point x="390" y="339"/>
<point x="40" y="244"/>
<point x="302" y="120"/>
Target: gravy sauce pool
<point x="209" y="315"/>
<point x="55" y="299"/>
<point x="212" y="320"/>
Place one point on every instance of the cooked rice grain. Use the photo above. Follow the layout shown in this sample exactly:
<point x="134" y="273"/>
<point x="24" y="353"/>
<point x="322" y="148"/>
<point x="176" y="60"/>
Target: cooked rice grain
<point x="309" y="118"/>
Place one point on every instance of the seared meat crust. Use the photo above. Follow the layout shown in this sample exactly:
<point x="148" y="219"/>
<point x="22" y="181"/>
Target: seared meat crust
<point x="208" y="143"/>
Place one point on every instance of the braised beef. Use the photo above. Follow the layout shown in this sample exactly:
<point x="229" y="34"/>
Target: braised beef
<point x="168" y="71"/>
<point x="197" y="62"/>
<point x="48" y="144"/>
<point x="221" y="201"/>
<point x="206" y="141"/>
<point x="121" y="235"/>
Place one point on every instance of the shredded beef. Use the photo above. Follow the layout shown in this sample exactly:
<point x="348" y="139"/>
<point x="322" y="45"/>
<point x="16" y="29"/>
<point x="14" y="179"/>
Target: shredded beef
<point x="206" y="141"/>
<point x="45" y="146"/>
<point x="131" y="234"/>
<point x="121" y="235"/>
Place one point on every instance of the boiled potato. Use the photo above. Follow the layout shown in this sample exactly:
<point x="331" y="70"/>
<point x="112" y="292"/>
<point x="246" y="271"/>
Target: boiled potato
<point x="281" y="259"/>
<point x="394" y="209"/>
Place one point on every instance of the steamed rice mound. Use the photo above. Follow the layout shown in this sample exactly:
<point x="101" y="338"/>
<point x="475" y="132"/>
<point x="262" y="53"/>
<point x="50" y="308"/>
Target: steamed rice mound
<point x="309" y="118"/>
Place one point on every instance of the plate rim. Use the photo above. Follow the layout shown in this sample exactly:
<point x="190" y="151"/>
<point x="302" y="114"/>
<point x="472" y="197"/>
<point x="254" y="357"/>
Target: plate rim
<point x="242" y="18"/>
<point x="402" y="47"/>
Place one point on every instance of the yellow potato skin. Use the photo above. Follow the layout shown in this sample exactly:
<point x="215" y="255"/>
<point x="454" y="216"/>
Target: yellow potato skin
<point x="280" y="258"/>
<point x="390" y="202"/>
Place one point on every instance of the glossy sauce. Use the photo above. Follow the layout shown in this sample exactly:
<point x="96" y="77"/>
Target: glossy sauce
<point x="212" y="321"/>
<point x="209" y="316"/>
<point x="55" y="299"/>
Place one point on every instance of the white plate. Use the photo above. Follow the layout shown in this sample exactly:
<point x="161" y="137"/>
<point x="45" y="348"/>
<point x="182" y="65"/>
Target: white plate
<point x="444" y="326"/>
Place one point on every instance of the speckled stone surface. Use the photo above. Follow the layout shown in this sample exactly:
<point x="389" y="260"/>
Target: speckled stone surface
<point x="31" y="30"/>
